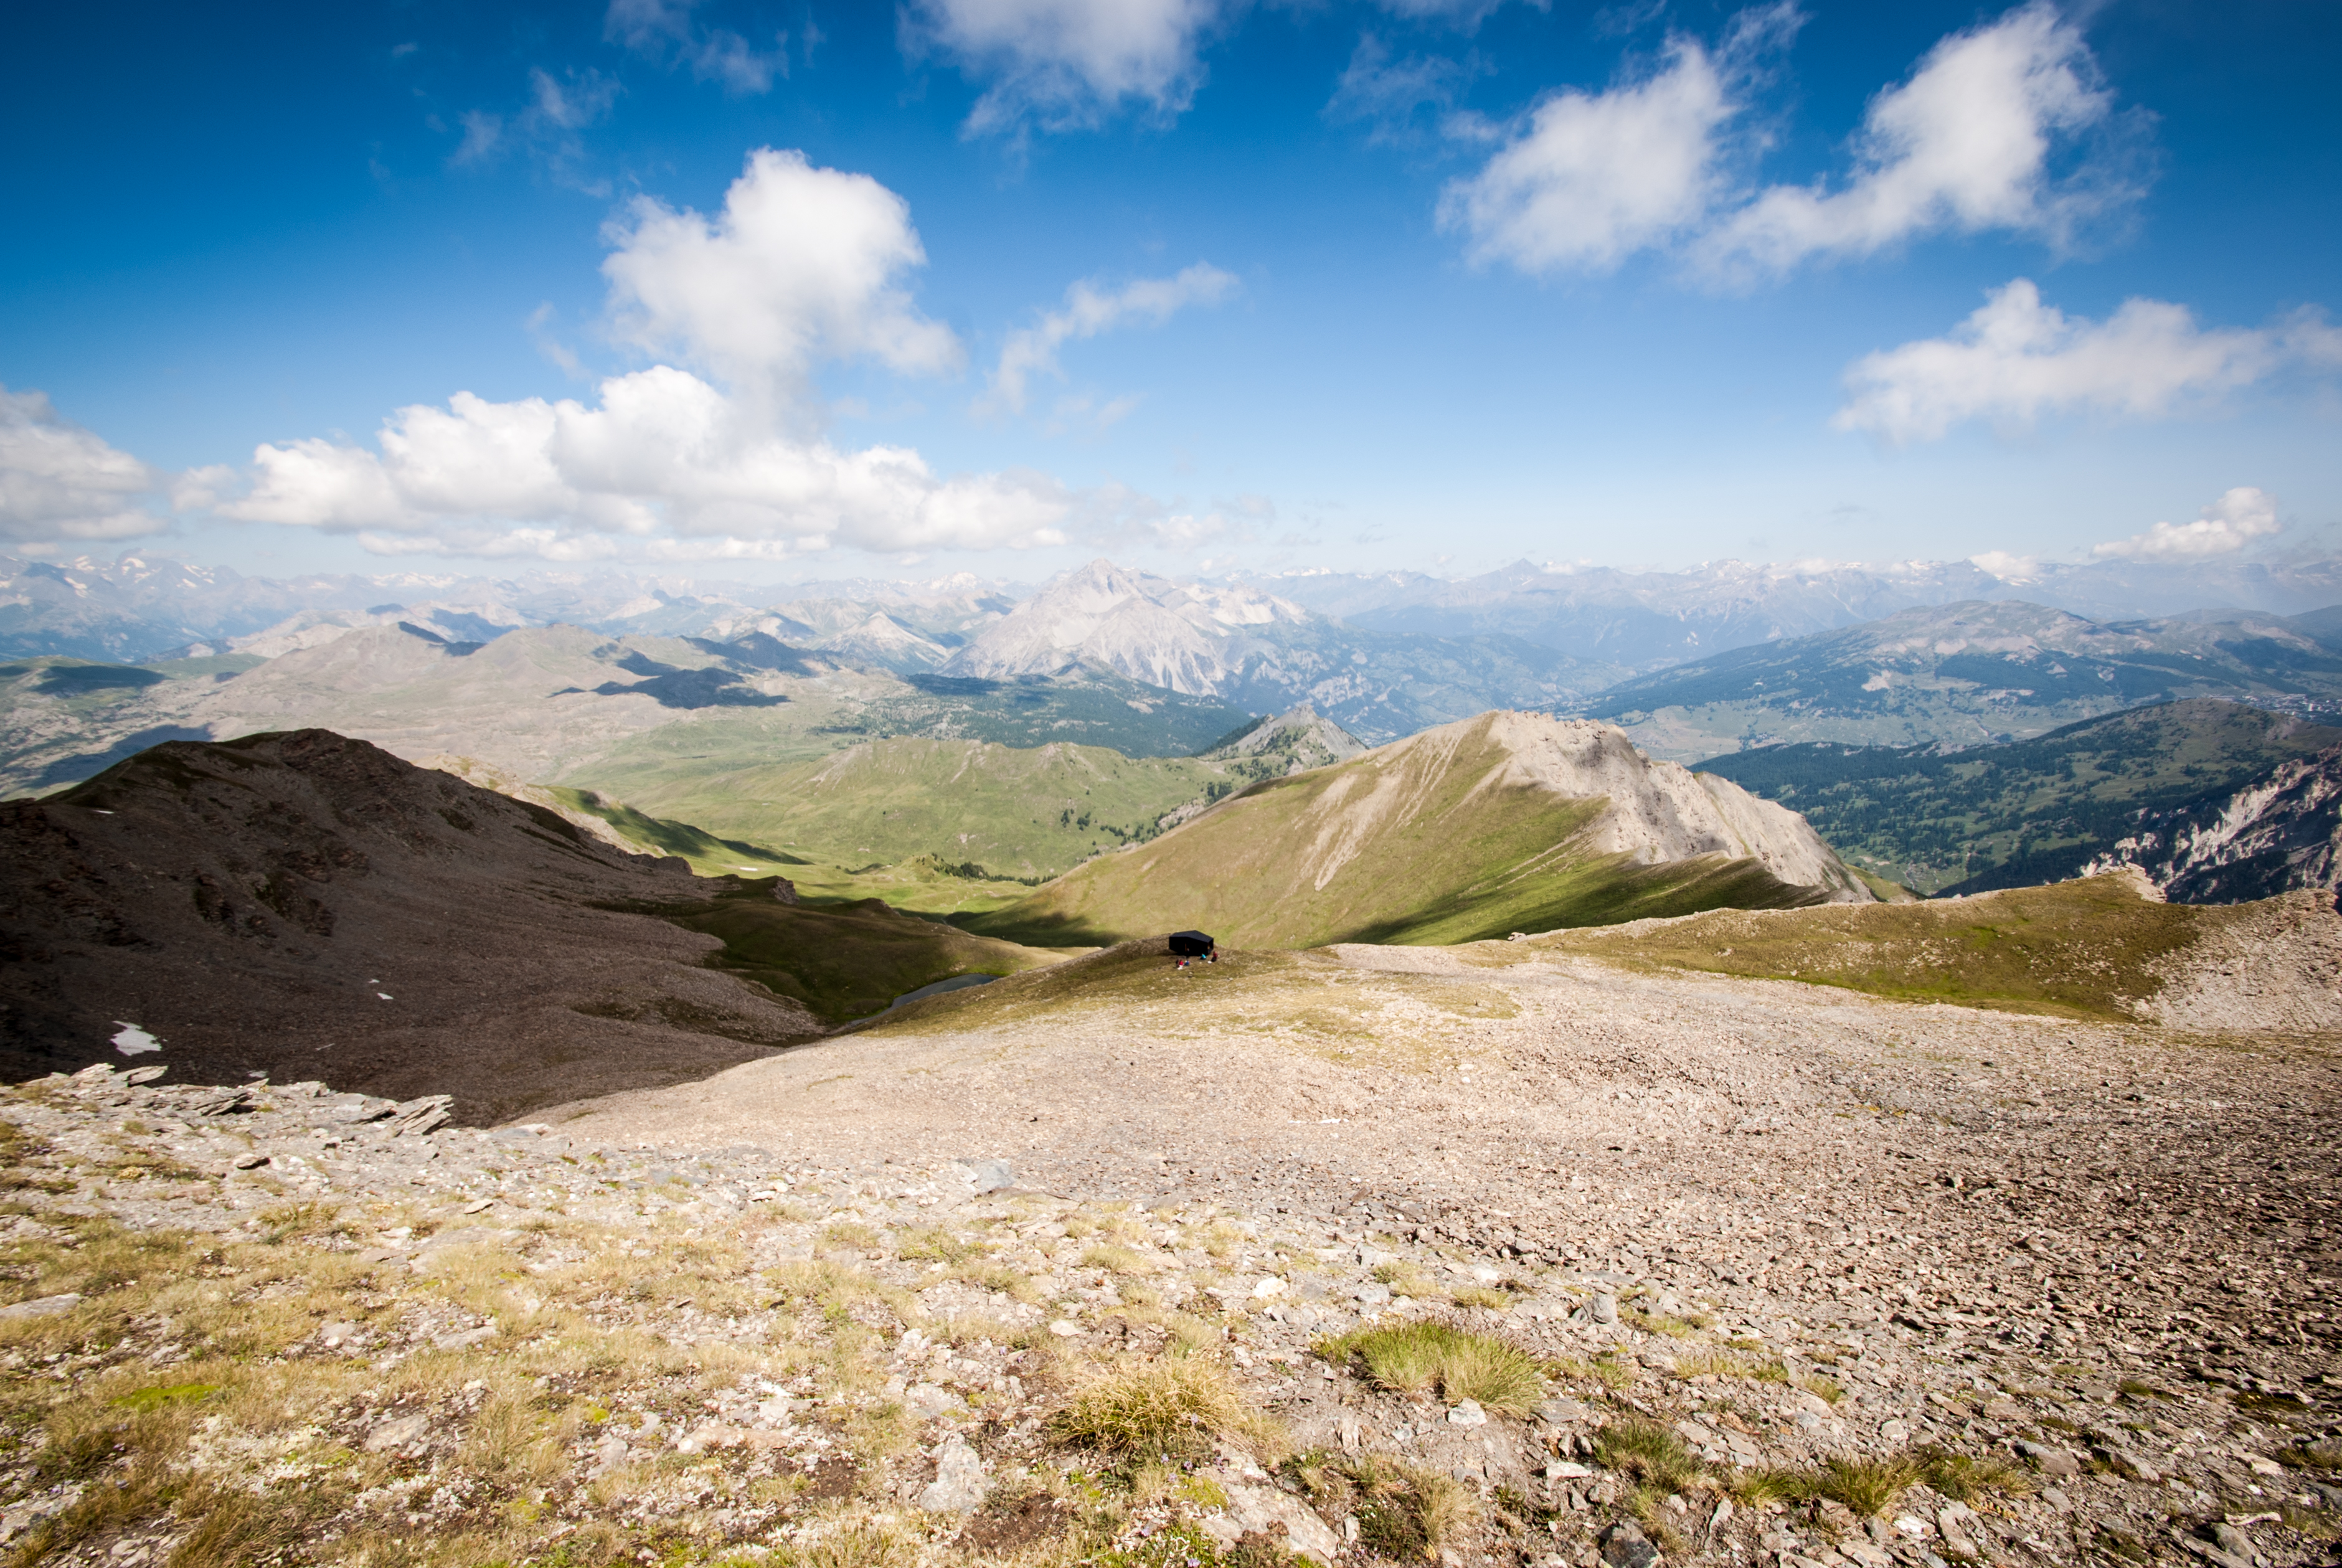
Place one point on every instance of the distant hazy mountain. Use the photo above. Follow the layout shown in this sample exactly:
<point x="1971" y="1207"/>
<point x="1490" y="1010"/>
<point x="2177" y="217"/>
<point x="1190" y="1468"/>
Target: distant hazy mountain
<point x="1644" y="620"/>
<point x="1266" y="653"/>
<point x="134" y="609"/>
<point x="555" y="704"/>
<point x="1505" y="822"/>
<point x="1964" y="674"/>
<point x="2030" y="812"/>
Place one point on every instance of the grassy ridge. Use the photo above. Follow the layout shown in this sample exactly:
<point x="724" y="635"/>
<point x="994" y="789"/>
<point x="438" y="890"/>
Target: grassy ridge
<point x="2089" y="948"/>
<point x="1408" y="848"/>
<point x="845" y="961"/>
<point x="2027" y="813"/>
<point x="1029" y="812"/>
<point x="708" y="855"/>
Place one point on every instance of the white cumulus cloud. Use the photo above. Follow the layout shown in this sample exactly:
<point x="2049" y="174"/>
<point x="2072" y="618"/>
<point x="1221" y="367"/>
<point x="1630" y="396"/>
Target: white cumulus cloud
<point x="1964" y="146"/>
<point x="1589" y="178"/>
<point x="802" y="263"/>
<point x="661" y="465"/>
<point x="1596" y="177"/>
<point x="2238" y="518"/>
<point x="1067" y="64"/>
<point x="2015" y="359"/>
<point x="60" y="482"/>
<point x="1090" y="310"/>
<point x="718" y="458"/>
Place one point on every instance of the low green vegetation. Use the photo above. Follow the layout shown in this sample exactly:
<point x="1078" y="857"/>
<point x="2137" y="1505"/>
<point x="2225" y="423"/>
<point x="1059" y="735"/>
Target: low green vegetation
<point x="708" y="855"/>
<point x="2025" y="813"/>
<point x="1404" y="1512"/>
<point x="1007" y="813"/>
<point x="1412" y="846"/>
<point x="2092" y="948"/>
<point x="1425" y="1356"/>
<point x="845" y="960"/>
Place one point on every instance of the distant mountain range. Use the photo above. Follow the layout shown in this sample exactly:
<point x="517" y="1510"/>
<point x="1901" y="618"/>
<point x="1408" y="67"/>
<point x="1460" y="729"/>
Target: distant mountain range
<point x="1971" y="673"/>
<point x="588" y="679"/>
<point x="1645" y="620"/>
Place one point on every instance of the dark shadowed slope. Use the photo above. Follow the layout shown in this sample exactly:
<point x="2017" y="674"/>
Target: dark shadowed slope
<point x="310" y="906"/>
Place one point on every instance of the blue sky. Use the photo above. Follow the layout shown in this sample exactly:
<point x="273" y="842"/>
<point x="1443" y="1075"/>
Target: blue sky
<point x="793" y="290"/>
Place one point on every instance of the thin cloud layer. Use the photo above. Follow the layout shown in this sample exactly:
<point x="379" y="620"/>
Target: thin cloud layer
<point x="61" y="482"/>
<point x="2238" y="518"/>
<point x="1089" y="311"/>
<point x="666" y="32"/>
<point x="2016" y="360"/>
<point x="1065" y="65"/>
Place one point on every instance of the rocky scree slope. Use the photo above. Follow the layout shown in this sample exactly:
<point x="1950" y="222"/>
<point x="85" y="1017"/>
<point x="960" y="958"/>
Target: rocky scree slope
<point x="1506" y="822"/>
<point x="283" y="1315"/>
<point x="307" y="903"/>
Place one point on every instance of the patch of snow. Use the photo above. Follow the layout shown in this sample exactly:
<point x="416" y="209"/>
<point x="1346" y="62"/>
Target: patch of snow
<point x="133" y="1040"/>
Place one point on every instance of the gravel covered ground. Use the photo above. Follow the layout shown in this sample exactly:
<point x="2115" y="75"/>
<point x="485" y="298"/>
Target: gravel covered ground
<point x="1802" y="1278"/>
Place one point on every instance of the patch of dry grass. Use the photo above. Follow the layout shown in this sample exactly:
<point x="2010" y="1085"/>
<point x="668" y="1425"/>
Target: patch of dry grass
<point x="1169" y="1410"/>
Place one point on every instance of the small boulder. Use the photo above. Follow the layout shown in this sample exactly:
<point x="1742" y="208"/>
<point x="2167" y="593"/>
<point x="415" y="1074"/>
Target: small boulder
<point x="959" y="1484"/>
<point x="1624" y="1545"/>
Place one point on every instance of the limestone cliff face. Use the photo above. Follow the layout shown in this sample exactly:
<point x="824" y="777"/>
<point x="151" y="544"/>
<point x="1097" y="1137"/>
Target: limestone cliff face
<point x="2281" y="833"/>
<point x="1658" y="811"/>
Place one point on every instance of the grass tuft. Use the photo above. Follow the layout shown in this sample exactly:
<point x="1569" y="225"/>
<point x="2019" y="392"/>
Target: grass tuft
<point x="1160" y="1410"/>
<point x="1415" y="1357"/>
<point x="1404" y="1512"/>
<point x="1649" y="1454"/>
<point x="1964" y="1479"/>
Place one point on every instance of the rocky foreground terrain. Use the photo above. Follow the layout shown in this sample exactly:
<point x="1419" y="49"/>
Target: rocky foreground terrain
<point x="1483" y="1255"/>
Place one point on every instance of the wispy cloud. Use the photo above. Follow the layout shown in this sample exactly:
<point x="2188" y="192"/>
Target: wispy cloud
<point x="2015" y="359"/>
<point x="550" y="128"/>
<point x="1391" y="94"/>
<point x="666" y="32"/>
<point x="1090" y="310"/>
